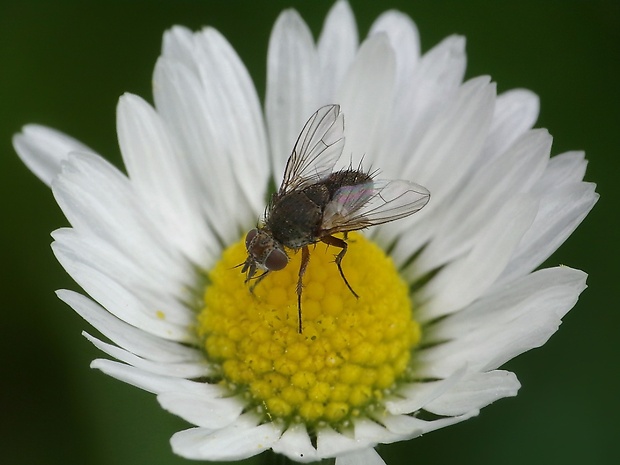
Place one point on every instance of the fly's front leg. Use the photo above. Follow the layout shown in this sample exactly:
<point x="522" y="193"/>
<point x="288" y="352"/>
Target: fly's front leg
<point x="336" y="242"/>
<point x="305" y="259"/>
<point x="258" y="280"/>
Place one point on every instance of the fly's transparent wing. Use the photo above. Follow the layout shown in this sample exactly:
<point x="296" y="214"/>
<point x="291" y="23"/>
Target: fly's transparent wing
<point x="316" y="151"/>
<point x="375" y="202"/>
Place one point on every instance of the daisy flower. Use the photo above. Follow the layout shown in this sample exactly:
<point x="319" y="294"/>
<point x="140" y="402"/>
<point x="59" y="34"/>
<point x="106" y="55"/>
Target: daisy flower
<point x="446" y="296"/>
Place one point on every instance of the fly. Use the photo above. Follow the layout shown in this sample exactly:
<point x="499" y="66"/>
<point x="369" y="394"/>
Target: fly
<point x="314" y="202"/>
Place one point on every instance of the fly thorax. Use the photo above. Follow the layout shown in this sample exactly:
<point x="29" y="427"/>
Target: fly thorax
<point x="296" y="217"/>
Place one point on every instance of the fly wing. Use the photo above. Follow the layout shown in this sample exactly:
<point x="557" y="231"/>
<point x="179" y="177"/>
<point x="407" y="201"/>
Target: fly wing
<point x="316" y="151"/>
<point x="375" y="202"/>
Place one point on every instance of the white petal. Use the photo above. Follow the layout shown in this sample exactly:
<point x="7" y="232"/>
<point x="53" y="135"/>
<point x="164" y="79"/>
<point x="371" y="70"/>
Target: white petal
<point x="202" y="410"/>
<point x="179" y="98"/>
<point x="561" y="210"/>
<point x="564" y="204"/>
<point x="330" y="443"/>
<point x="151" y="288"/>
<point x="508" y="321"/>
<point x="406" y="426"/>
<point x="366" y="97"/>
<point x="337" y="47"/>
<point x="367" y="456"/>
<point x="415" y="396"/>
<point x="205" y="94"/>
<point x="404" y="39"/>
<point x="411" y="427"/>
<point x="191" y="370"/>
<point x="519" y="168"/>
<point x="153" y="166"/>
<point x="476" y="391"/>
<point x="442" y="160"/>
<point x="295" y="444"/>
<point x="238" y="441"/>
<point x="97" y="199"/>
<point x="438" y="76"/>
<point x="292" y="84"/>
<point x="433" y="86"/>
<point x="178" y="45"/>
<point x="368" y="431"/>
<point x="154" y="383"/>
<point x="405" y="42"/>
<point x="235" y="111"/>
<point x="454" y="141"/>
<point x="536" y="292"/>
<point x="569" y="167"/>
<point x="132" y="339"/>
<point x="77" y="251"/>
<point x="464" y="280"/>
<point x="516" y="111"/>
<point x="42" y="149"/>
<point x="123" y="302"/>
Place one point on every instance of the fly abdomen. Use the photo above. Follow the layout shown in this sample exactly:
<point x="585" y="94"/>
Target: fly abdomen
<point x="345" y="178"/>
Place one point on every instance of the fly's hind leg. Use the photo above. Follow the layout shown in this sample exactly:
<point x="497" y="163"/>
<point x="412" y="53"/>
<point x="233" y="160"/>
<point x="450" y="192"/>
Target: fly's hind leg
<point x="336" y="242"/>
<point x="305" y="259"/>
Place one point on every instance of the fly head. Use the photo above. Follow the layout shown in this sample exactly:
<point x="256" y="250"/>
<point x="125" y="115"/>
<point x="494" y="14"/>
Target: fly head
<point x="264" y="253"/>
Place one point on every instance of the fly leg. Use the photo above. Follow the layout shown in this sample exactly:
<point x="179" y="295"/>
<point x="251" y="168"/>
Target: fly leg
<point x="305" y="259"/>
<point x="336" y="242"/>
<point x="258" y="280"/>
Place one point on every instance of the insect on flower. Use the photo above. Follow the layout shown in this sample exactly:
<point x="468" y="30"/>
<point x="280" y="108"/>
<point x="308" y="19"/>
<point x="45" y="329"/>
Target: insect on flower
<point x="314" y="203"/>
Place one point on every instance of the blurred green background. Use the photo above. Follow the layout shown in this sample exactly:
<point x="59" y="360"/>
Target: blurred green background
<point x="65" y="63"/>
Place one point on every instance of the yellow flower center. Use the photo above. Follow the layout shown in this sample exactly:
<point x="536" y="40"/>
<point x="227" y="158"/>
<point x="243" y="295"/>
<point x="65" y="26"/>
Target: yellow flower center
<point x="351" y="351"/>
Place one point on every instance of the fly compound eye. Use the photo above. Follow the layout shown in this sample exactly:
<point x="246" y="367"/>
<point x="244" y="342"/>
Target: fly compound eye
<point x="250" y="237"/>
<point x="276" y="260"/>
